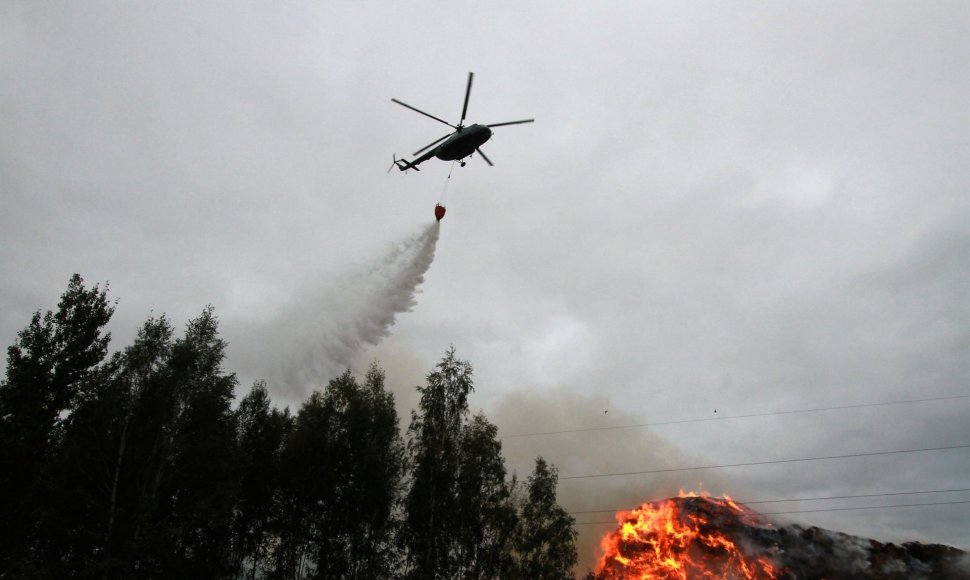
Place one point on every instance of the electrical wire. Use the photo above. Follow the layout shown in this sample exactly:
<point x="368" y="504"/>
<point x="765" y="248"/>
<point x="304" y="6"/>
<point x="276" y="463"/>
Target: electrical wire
<point x="869" y="507"/>
<point x="872" y="507"/>
<point x="729" y="417"/>
<point x="830" y="497"/>
<point x="768" y="462"/>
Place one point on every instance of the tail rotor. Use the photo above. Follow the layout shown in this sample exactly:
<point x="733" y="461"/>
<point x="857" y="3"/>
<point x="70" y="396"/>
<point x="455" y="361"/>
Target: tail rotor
<point x="402" y="164"/>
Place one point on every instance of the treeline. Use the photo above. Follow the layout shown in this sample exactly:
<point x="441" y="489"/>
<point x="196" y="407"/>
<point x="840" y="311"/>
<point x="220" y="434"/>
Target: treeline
<point x="136" y="465"/>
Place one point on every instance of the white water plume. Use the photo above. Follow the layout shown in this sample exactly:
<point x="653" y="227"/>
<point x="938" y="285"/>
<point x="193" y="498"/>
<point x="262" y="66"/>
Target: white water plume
<point x="321" y="331"/>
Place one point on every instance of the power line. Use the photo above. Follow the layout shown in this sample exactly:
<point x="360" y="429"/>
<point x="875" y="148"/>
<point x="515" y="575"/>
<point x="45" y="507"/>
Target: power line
<point x="872" y="507"/>
<point x="869" y="507"/>
<point x="769" y="462"/>
<point x="889" y="494"/>
<point x="830" y="497"/>
<point x="728" y="417"/>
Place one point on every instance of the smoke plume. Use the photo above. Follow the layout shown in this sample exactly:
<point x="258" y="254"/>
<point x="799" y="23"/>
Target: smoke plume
<point x="321" y="332"/>
<point x="578" y="451"/>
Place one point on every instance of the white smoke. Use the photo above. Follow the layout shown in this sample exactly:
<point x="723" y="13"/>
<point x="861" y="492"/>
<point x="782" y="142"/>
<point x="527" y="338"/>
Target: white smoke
<point x="321" y="331"/>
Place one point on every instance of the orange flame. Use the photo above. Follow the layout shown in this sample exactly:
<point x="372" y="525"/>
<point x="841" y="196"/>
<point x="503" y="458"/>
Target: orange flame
<point x="682" y="538"/>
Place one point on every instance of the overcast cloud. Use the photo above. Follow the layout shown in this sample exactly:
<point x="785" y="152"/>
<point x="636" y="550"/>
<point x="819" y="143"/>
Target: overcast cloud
<point x="747" y="207"/>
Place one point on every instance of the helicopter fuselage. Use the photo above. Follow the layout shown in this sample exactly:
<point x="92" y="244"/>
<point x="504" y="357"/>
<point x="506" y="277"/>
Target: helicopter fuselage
<point x="463" y="143"/>
<point x="454" y="146"/>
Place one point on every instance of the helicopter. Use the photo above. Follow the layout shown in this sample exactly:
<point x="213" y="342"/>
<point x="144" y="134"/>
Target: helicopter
<point x="457" y="145"/>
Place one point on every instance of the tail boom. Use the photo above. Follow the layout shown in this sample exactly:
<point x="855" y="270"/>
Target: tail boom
<point x="404" y="165"/>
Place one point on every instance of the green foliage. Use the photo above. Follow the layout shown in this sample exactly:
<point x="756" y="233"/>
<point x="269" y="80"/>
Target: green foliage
<point x="460" y="513"/>
<point x="142" y="445"/>
<point x="260" y="431"/>
<point x="57" y="358"/>
<point x="197" y="494"/>
<point x="342" y="466"/>
<point x="431" y="506"/>
<point x="136" y="466"/>
<point x="486" y="514"/>
<point x="71" y="523"/>
<point x="546" y="540"/>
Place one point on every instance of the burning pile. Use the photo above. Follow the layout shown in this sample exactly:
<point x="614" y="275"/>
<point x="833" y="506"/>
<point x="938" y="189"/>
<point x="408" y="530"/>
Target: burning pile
<point x="716" y="538"/>
<point x="685" y="537"/>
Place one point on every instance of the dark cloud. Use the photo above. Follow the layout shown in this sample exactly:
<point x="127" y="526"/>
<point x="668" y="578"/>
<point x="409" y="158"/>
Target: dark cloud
<point x="742" y="207"/>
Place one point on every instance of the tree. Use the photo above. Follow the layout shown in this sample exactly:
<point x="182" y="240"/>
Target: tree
<point x="546" y="540"/>
<point x="135" y="466"/>
<point x="197" y="497"/>
<point x="148" y="407"/>
<point x="305" y="485"/>
<point x="261" y="431"/>
<point x="434" y="454"/>
<point x="73" y="521"/>
<point x="368" y="431"/>
<point x="342" y="471"/>
<point x="173" y="486"/>
<point x="55" y="360"/>
<point x="459" y="510"/>
<point x="485" y="516"/>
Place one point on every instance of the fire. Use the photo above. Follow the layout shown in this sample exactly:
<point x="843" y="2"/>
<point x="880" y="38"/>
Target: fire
<point x="684" y="538"/>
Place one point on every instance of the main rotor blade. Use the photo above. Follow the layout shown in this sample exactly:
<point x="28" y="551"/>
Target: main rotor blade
<point x="432" y="144"/>
<point x="468" y="91"/>
<point x="511" y="123"/>
<point x="487" y="160"/>
<point x="423" y="113"/>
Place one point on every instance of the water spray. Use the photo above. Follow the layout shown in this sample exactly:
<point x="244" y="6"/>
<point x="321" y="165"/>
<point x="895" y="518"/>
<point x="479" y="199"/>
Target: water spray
<point x="322" y="330"/>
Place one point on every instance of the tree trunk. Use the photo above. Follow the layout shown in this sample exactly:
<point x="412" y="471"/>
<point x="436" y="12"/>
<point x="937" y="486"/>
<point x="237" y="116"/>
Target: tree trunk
<point x="114" y="487"/>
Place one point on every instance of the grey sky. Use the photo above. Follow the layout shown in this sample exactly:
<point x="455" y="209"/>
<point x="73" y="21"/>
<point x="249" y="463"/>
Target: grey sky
<point x="740" y="206"/>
